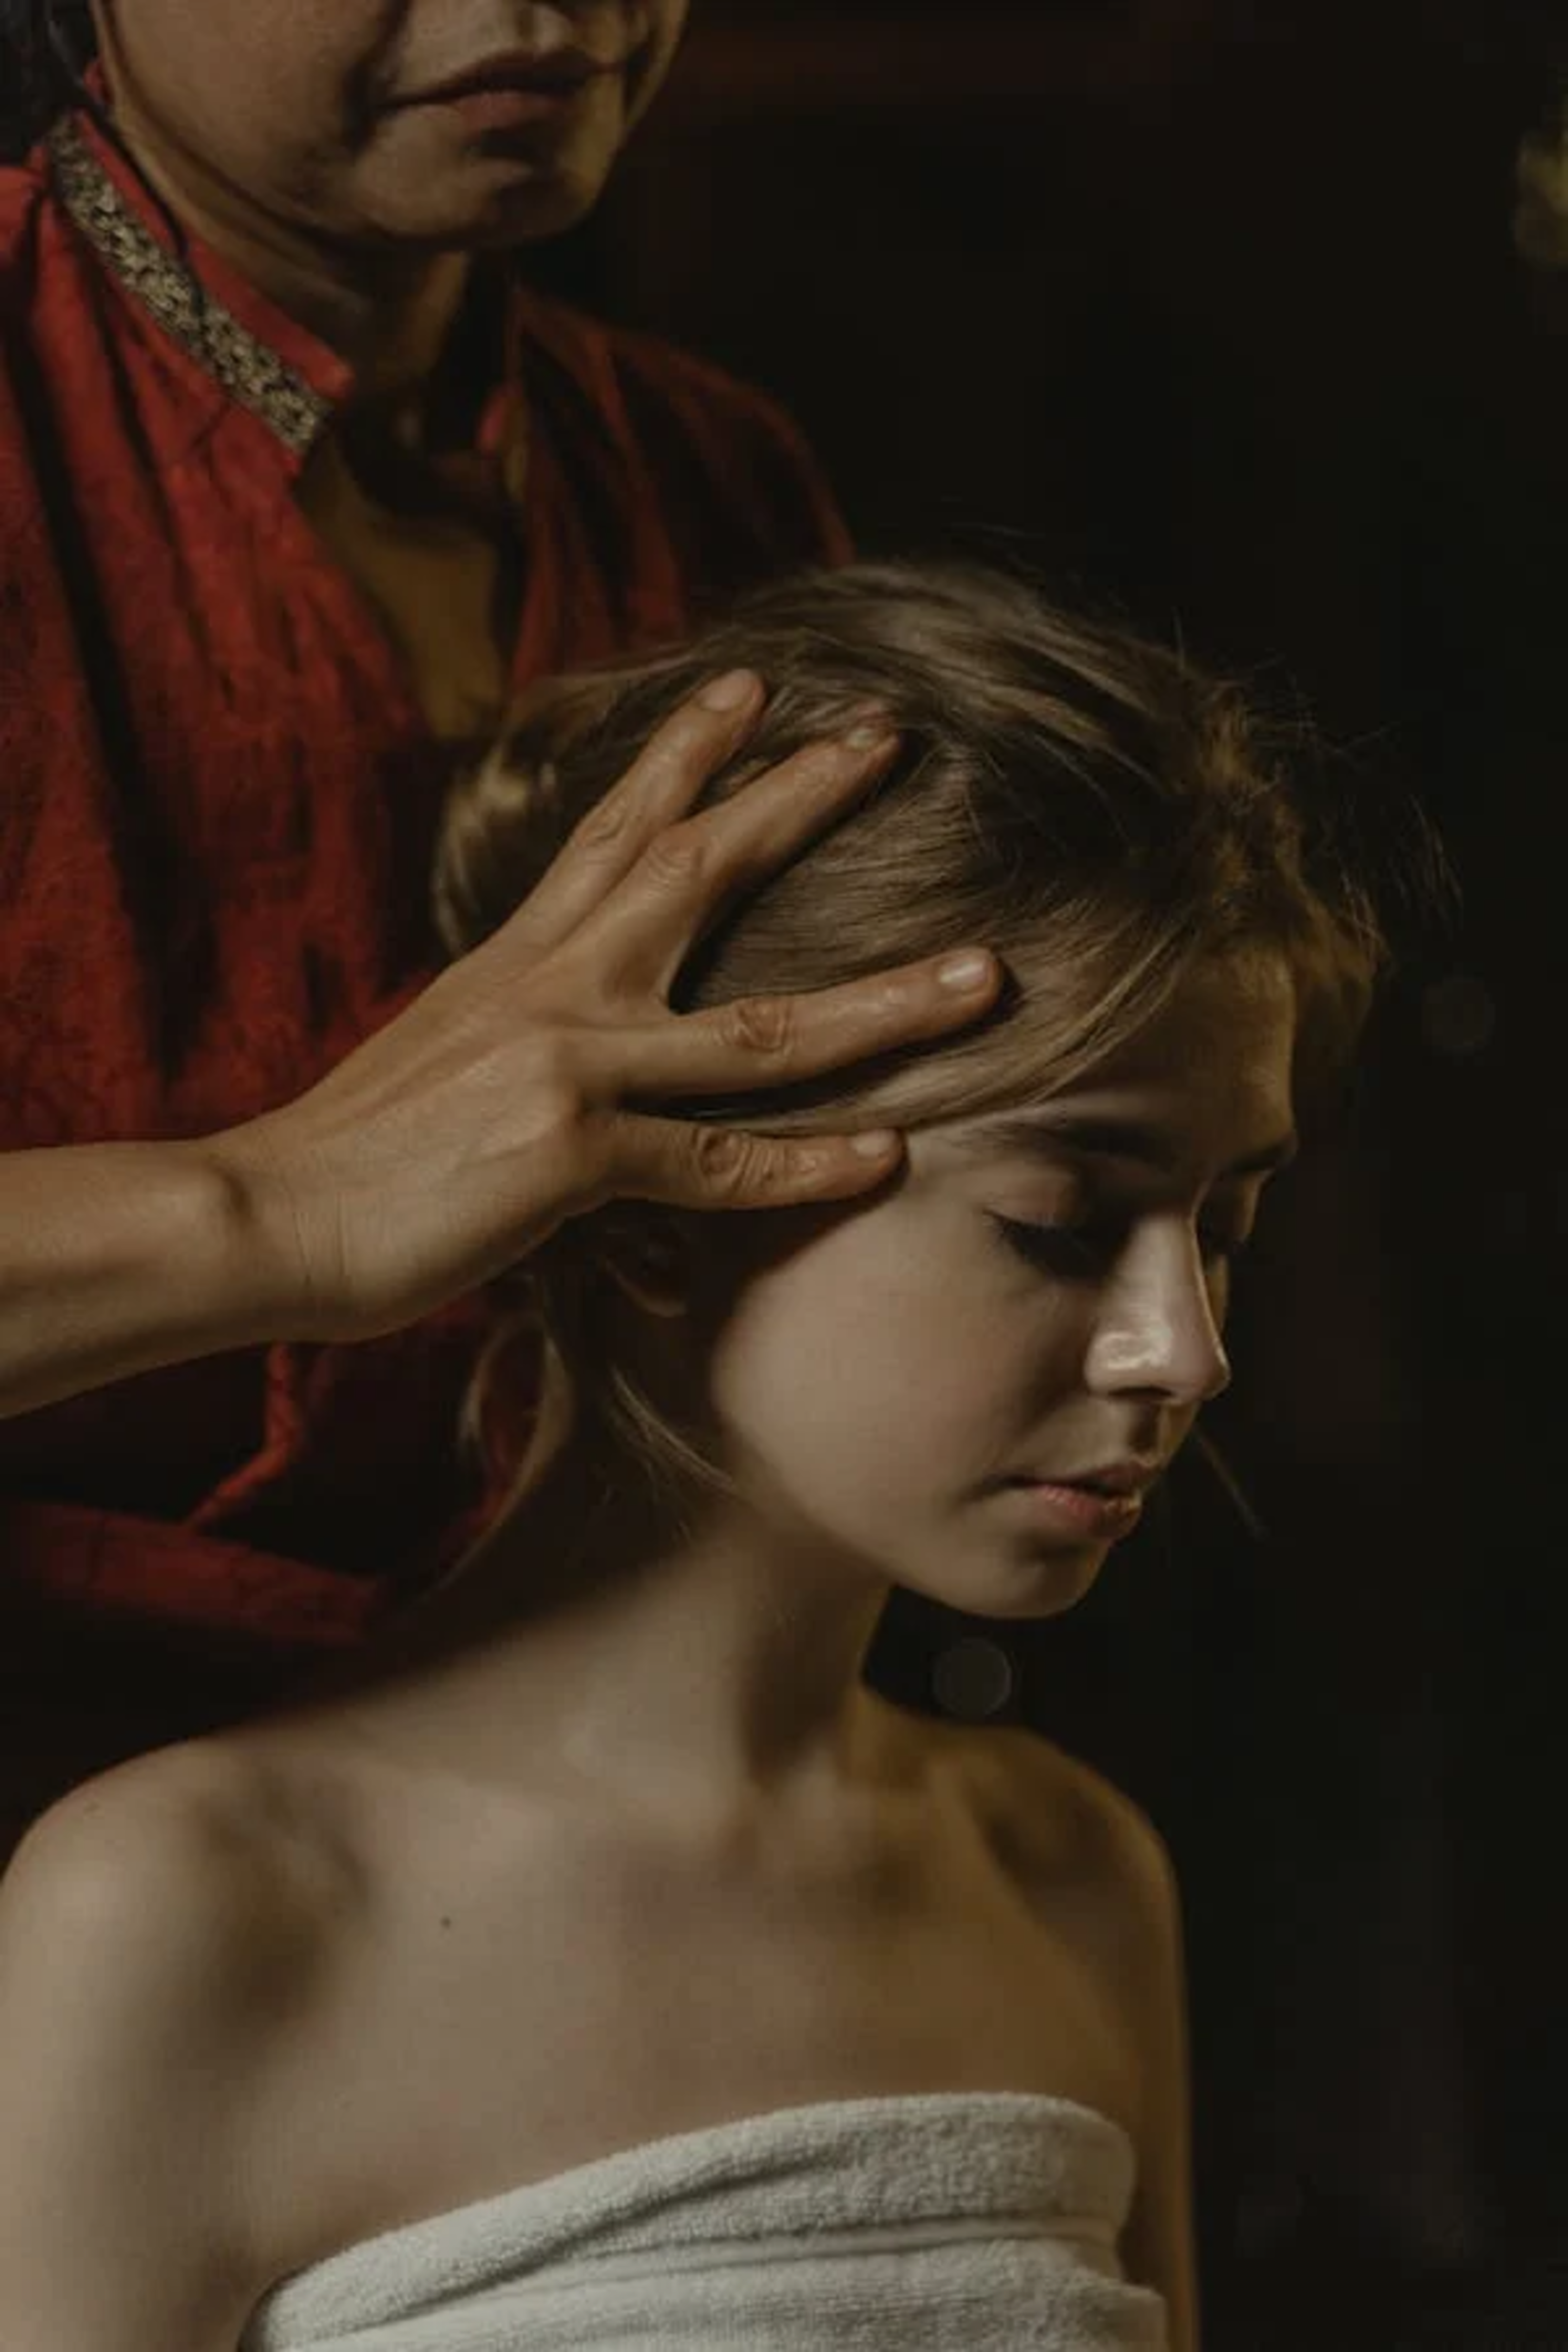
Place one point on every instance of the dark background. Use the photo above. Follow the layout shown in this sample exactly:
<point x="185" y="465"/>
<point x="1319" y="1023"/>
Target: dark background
<point x="1213" y="312"/>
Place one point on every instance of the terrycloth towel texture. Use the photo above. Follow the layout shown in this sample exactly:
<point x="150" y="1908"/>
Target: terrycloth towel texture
<point x="961" y="2222"/>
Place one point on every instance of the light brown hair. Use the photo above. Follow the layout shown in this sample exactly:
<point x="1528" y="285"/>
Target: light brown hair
<point x="1087" y="804"/>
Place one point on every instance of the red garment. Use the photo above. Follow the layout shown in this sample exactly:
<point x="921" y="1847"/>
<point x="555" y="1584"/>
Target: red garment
<point x="218" y="797"/>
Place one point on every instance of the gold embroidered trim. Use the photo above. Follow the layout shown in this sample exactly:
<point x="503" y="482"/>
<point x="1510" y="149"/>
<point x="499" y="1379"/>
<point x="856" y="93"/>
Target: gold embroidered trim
<point x="240" y="361"/>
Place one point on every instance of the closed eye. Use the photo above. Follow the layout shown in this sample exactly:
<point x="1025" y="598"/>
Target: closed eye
<point x="1082" y="1252"/>
<point x="1071" y="1252"/>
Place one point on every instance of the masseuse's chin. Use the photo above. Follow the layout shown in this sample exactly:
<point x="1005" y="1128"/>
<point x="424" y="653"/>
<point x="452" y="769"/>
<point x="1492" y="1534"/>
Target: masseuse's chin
<point x="531" y="217"/>
<point x="480" y="195"/>
<point x="497" y="213"/>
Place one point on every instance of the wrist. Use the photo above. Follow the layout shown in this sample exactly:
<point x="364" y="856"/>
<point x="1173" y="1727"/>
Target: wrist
<point x="246" y="1272"/>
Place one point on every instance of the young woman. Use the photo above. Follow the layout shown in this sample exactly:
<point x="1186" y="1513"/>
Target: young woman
<point x="596" y="1960"/>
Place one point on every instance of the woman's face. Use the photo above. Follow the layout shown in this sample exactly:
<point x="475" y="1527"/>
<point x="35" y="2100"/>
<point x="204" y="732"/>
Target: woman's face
<point x="328" y="114"/>
<point x="1041" y="1296"/>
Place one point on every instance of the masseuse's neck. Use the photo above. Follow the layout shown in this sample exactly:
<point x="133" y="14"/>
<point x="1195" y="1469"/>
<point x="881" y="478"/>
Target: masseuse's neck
<point x="711" y="1676"/>
<point x="388" y="317"/>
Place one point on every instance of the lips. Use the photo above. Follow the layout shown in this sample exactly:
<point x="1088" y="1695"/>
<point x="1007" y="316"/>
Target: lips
<point x="1076" y="1513"/>
<point x="554" y="76"/>
<point x="1116" y="1480"/>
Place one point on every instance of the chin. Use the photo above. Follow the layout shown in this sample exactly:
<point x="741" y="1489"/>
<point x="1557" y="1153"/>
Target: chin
<point x="530" y="210"/>
<point x="1051" y="1598"/>
<point x="484" y="194"/>
<point x="1025" y="1591"/>
<point x="549" y="206"/>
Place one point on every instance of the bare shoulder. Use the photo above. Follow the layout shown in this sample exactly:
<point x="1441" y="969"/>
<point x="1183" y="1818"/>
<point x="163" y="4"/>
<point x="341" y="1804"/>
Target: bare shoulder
<point x="1059" y="1815"/>
<point x="190" y="1855"/>
<point x="1119" y="1857"/>
<point x="1089" y="1857"/>
<point x="1122" y="1844"/>
<point x="155" y="1925"/>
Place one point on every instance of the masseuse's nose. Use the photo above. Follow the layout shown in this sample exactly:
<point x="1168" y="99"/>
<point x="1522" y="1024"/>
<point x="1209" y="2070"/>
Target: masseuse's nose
<point x="1156" y="1331"/>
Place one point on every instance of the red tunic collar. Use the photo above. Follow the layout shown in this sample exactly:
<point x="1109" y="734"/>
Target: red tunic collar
<point x="236" y="340"/>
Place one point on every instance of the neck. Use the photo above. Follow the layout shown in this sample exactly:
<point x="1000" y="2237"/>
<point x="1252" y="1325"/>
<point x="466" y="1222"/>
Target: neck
<point x="702" y="1672"/>
<point x="387" y="314"/>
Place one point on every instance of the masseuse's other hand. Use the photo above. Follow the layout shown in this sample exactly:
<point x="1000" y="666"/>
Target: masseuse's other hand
<point x="505" y="1100"/>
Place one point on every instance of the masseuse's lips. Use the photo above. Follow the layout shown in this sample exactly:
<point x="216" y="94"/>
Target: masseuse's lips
<point x="519" y="73"/>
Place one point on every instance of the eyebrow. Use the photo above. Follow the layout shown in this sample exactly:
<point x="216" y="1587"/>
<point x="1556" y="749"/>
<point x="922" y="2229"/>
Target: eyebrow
<point x="1044" y="1134"/>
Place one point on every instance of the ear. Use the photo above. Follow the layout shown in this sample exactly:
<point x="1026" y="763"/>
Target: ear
<point x="647" y="1256"/>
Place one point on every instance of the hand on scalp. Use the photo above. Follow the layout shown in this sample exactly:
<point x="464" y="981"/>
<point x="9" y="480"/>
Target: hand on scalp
<point x="505" y="1100"/>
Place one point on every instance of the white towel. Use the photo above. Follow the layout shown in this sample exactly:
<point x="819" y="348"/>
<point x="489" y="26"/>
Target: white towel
<point x="959" y="2222"/>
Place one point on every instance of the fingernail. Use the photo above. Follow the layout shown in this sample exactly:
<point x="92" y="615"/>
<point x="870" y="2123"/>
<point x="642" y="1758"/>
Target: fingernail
<point x="970" y="970"/>
<point x="875" y="1145"/>
<point x="871" y="735"/>
<point x="728" y="691"/>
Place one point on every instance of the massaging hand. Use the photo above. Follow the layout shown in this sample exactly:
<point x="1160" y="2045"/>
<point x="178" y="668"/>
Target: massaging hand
<point x="506" y="1098"/>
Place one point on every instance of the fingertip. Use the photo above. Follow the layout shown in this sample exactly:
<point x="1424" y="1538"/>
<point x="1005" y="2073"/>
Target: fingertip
<point x="878" y="1143"/>
<point x="874" y="738"/>
<point x="731" y="693"/>
<point x="968" y="973"/>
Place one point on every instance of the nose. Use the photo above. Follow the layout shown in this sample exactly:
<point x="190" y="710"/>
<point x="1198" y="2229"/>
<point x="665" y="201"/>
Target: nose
<point x="1157" y="1331"/>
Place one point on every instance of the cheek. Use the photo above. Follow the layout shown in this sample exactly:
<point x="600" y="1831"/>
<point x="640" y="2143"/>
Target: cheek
<point x="231" y="95"/>
<point x="247" y="85"/>
<point x="864" y="1351"/>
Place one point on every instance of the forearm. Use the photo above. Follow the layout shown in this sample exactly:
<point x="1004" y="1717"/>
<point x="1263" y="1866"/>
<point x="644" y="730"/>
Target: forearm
<point x="507" y="1097"/>
<point x="116" y="1258"/>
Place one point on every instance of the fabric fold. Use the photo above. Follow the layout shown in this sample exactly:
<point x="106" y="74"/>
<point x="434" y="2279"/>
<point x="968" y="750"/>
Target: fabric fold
<point x="957" y="2221"/>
